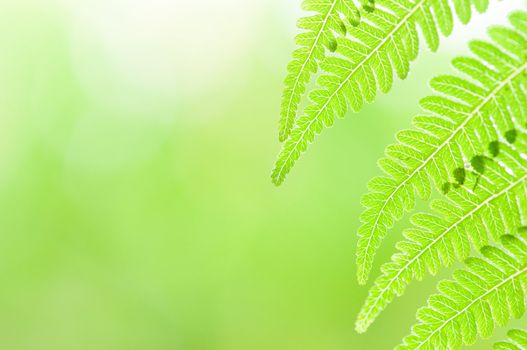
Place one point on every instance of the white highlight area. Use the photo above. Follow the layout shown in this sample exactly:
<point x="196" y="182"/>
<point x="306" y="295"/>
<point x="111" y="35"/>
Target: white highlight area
<point x="161" y="46"/>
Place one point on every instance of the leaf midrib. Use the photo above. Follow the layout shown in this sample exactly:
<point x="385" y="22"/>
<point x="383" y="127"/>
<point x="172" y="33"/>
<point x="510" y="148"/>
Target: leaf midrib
<point x="376" y="49"/>
<point x="460" y="312"/>
<point x="447" y="140"/>
<point x="308" y="58"/>
<point x="450" y="228"/>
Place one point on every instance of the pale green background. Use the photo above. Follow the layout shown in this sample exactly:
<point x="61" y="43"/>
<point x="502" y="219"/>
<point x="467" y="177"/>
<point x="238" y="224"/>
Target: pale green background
<point x="137" y="212"/>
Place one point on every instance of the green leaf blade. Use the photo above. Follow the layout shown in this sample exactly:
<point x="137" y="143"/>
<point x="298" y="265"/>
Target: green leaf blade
<point x="319" y="35"/>
<point x="484" y="287"/>
<point x="447" y="137"/>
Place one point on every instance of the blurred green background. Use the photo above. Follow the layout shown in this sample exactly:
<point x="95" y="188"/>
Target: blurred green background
<point x="136" y="143"/>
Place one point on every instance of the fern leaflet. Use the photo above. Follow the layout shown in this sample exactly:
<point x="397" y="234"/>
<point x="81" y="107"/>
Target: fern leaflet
<point x="489" y="292"/>
<point x="386" y="41"/>
<point x="492" y="201"/>
<point x="319" y="34"/>
<point x="517" y="341"/>
<point x="465" y="118"/>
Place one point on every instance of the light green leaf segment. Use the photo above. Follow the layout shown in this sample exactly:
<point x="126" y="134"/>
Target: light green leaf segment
<point x="517" y="341"/>
<point x="468" y="114"/>
<point x="384" y="43"/>
<point x="487" y="294"/>
<point x="488" y="203"/>
<point x="319" y="35"/>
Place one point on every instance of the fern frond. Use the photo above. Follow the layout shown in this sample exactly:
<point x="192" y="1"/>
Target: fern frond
<point x="384" y="43"/>
<point x="319" y="35"/>
<point x="487" y="294"/>
<point x="468" y="114"/>
<point x="517" y="341"/>
<point x="488" y="203"/>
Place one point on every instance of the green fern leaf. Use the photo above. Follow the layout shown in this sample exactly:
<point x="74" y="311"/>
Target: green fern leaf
<point x="492" y="202"/>
<point x="517" y="341"/>
<point x="487" y="294"/>
<point x="386" y="42"/>
<point x="318" y="36"/>
<point x="465" y="118"/>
